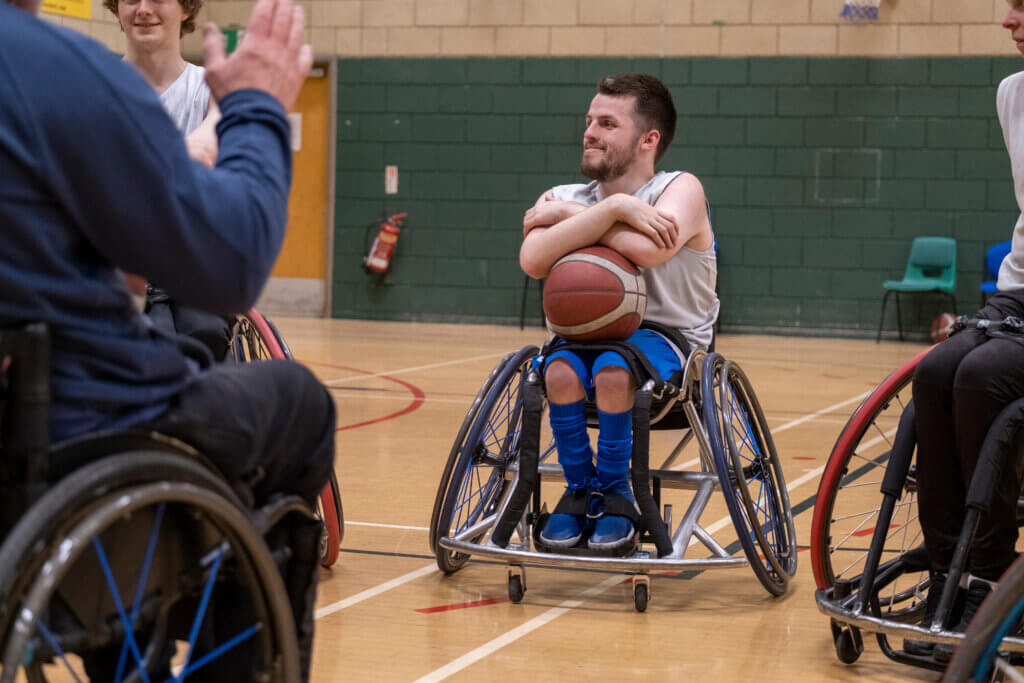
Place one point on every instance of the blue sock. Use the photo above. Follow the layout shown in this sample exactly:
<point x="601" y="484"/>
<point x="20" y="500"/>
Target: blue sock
<point x="614" y="450"/>
<point x="569" y="425"/>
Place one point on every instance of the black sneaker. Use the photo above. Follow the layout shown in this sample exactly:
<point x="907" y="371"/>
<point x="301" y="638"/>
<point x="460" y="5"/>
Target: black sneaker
<point x="931" y="605"/>
<point x="977" y="591"/>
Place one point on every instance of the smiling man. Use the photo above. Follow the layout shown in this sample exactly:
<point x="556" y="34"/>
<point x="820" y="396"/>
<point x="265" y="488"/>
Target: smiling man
<point x="660" y="222"/>
<point x="153" y="30"/>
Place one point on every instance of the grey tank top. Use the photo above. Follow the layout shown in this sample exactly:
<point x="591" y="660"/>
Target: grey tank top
<point x="187" y="99"/>
<point x="681" y="291"/>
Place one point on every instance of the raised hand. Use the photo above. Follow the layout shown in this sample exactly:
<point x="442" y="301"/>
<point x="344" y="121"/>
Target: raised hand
<point x="656" y="225"/>
<point x="271" y="56"/>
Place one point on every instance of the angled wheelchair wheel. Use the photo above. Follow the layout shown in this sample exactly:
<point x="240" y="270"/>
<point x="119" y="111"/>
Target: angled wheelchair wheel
<point x="750" y="473"/>
<point x="255" y="337"/>
<point x="123" y="571"/>
<point x="849" y="501"/>
<point x="979" y="658"/>
<point x="488" y="442"/>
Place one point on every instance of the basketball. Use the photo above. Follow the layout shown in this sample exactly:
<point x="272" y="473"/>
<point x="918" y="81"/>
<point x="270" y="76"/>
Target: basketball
<point x="594" y="293"/>
<point x="942" y="326"/>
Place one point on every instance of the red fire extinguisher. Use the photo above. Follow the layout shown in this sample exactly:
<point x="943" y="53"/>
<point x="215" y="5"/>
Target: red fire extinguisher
<point x="378" y="260"/>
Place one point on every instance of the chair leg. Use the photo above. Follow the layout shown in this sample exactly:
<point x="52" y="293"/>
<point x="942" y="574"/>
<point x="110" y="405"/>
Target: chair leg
<point x="881" y="318"/>
<point x="899" y="316"/>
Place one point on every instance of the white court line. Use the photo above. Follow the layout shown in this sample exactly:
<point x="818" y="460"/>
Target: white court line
<point x="388" y="526"/>
<point x="401" y="371"/>
<point x="798" y="421"/>
<point x="501" y="641"/>
<point x="376" y="590"/>
<point x="517" y="633"/>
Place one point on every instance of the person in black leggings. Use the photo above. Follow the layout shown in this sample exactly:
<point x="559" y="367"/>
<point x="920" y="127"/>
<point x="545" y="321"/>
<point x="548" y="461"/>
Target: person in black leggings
<point x="959" y="389"/>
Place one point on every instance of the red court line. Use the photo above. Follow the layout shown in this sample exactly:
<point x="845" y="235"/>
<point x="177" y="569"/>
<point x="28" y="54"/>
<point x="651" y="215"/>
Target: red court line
<point x="802" y="457"/>
<point x="868" y="532"/>
<point x="461" y="605"/>
<point x="417" y="395"/>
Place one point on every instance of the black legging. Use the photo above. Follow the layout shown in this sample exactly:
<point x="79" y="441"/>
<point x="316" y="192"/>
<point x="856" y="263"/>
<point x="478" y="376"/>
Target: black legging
<point x="959" y="389"/>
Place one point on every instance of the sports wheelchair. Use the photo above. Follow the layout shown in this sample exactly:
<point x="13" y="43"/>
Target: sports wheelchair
<point x="868" y="554"/>
<point x="490" y="490"/>
<point x="126" y="556"/>
<point x="254" y="337"/>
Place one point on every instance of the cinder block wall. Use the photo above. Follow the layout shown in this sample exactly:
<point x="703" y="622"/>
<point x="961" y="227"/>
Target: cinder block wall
<point x="819" y="171"/>
<point x="824" y="146"/>
<point x="615" y="27"/>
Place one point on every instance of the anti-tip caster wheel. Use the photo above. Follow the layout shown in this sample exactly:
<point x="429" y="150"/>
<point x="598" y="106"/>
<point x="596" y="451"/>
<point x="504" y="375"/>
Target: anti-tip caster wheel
<point x="641" y="592"/>
<point x="516" y="583"/>
<point x="848" y="643"/>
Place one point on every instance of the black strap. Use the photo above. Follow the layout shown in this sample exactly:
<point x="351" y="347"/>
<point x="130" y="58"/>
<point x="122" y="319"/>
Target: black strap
<point x="620" y="506"/>
<point x="1010" y="328"/>
<point x="574" y="502"/>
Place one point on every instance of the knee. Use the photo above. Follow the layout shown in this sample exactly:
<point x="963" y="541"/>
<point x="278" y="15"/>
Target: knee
<point x="614" y="388"/>
<point x="562" y="383"/>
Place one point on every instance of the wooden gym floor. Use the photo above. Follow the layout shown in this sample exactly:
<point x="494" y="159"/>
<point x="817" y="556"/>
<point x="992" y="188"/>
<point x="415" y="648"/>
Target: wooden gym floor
<point x="386" y="613"/>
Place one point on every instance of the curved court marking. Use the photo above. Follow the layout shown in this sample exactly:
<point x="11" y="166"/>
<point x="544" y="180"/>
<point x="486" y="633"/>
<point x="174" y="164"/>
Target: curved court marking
<point x="459" y="361"/>
<point x="417" y="395"/>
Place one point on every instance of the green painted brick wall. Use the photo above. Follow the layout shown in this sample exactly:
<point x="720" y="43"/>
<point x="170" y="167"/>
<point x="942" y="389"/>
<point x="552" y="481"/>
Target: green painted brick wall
<point x="819" y="172"/>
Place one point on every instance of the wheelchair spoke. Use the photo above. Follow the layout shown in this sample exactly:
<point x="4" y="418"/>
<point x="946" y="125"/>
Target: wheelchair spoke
<point x="218" y="555"/>
<point x="150" y="549"/>
<point x="129" y="631"/>
<point x="217" y="652"/>
<point x="52" y="641"/>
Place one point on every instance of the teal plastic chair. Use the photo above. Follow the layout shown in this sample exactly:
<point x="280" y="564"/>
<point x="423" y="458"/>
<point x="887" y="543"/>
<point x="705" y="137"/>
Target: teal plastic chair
<point x="931" y="267"/>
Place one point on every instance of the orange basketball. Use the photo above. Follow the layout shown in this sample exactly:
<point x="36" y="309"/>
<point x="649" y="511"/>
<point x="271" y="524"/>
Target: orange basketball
<point x="594" y="293"/>
<point x="942" y="326"/>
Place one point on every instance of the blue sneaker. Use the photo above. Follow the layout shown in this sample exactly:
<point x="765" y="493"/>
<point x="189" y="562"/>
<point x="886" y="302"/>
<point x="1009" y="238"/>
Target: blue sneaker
<point x="616" y="525"/>
<point x="566" y="525"/>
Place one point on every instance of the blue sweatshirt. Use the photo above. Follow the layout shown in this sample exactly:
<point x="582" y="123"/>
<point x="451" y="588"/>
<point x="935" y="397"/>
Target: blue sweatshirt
<point x="94" y="177"/>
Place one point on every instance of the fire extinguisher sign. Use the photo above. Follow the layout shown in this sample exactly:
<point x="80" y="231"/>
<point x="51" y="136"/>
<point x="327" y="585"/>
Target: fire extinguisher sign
<point x="390" y="180"/>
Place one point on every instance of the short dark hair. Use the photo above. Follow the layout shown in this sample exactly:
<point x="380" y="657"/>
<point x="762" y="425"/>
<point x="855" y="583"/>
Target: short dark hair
<point x="190" y="7"/>
<point x="654" y="109"/>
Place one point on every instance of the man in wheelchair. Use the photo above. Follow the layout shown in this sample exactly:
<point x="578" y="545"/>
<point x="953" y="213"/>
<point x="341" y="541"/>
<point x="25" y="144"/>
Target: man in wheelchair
<point x="959" y="389"/>
<point x="76" y="208"/>
<point x="660" y="222"/>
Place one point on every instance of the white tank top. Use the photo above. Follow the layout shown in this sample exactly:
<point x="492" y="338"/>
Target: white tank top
<point x="187" y="99"/>
<point x="1010" y="107"/>
<point x="681" y="291"/>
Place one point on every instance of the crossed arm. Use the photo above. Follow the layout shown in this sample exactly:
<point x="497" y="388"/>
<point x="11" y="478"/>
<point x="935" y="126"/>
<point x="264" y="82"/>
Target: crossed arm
<point x="646" y="235"/>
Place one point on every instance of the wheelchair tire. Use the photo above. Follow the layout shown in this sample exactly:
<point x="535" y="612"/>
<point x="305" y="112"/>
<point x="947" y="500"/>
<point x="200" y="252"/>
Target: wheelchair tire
<point x="65" y="526"/>
<point x="848" y="495"/>
<point x="255" y="337"/>
<point x="474" y="476"/>
<point x="1000" y="615"/>
<point x="750" y="473"/>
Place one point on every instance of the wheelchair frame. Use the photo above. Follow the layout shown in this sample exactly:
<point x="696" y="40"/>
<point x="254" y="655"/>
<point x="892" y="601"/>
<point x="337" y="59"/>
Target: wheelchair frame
<point x="254" y="337"/>
<point x="854" y="602"/>
<point x="62" y="498"/>
<point x="518" y="509"/>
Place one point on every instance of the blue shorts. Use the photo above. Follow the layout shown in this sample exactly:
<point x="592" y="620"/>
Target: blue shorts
<point x="658" y="351"/>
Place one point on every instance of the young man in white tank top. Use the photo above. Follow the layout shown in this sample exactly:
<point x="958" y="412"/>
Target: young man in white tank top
<point x="153" y="30"/>
<point x="659" y="222"/>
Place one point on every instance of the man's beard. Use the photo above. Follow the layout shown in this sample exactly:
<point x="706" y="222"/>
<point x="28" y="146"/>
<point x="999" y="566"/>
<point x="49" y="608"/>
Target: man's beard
<point x="613" y="164"/>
